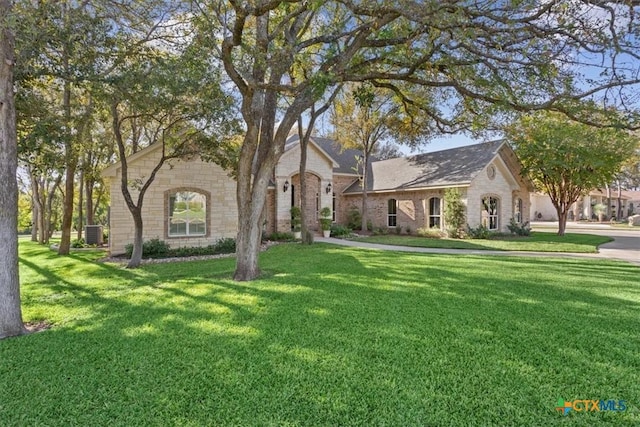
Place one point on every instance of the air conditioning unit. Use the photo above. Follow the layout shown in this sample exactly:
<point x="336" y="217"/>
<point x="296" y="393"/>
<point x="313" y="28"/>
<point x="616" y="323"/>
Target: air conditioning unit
<point x="93" y="234"/>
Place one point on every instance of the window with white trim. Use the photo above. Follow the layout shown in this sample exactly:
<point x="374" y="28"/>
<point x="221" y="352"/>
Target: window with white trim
<point x="187" y="214"/>
<point x="490" y="212"/>
<point x="435" y="212"/>
<point x="517" y="210"/>
<point x="392" y="213"/>
<point x="333" y="208"/>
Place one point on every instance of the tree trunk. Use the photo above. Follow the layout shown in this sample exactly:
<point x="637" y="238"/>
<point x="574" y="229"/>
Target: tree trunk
<point x="562" y="220"/>
<point x="247" y="250"/>
<point x="69" y="187"/>
<point x="10" y="311"/>
<point x="88" y="187"/>
<point x="365" y="160"/>
<point x="70" y="158"/>
<point x="619" y="213"/>
<point x="80" y="203"/>
<point x="34" y="220"/>
<point x="37" y="206"/>
<point x="136" y="256"/>
<point x="304" y="141"/>
<point x="608" y="211"/>
<point x="47" y="214"/>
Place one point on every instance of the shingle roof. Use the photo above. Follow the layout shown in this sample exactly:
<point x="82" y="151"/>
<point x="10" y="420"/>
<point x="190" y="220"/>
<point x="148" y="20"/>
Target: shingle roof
<point x="346" y="159"/>
<point x="455" y="166"/>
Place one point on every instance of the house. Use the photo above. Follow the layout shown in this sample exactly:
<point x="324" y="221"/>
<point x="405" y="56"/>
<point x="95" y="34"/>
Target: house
<point x="543" y="209"/>
<point x="193" y="203"/>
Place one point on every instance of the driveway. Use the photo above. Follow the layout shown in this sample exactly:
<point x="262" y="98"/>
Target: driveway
<point x="625" y="247"/>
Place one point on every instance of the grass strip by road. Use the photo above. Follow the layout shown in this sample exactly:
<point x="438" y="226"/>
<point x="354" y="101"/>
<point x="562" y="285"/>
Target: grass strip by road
<point x="536" y="242"/>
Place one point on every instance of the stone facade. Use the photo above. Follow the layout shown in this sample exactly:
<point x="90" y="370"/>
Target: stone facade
<point x="502" y="185"/>
<point x="175" y="175"/>
<point x="319" y="176"/>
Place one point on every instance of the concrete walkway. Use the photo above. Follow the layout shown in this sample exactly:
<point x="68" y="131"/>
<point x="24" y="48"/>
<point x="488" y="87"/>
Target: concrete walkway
<point x="625" y="247"/>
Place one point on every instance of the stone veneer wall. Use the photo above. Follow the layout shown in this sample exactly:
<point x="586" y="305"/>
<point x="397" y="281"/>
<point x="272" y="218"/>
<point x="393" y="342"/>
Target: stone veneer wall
<point x="320" y="172"/>
<point x="193" y="174"/>
<point x="502" y="188"/>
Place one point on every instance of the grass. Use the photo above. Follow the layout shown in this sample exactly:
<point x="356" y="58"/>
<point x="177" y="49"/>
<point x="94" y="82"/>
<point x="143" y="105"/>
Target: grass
<point x="328" y="336"/>
<point x="536" y="242"/>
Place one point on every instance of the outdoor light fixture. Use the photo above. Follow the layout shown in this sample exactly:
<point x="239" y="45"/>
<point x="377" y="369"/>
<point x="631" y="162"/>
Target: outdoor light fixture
<point x="285" y="187"/>
<point x="328" y="189"/>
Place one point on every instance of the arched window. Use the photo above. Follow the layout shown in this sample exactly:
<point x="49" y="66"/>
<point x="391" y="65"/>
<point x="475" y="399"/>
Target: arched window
<point x="392" y="213"/>
<point x="435" y="212"/>
<point x="187" y="214"/>
<point x="517" y="210"/>
<point x="490" y="212"/>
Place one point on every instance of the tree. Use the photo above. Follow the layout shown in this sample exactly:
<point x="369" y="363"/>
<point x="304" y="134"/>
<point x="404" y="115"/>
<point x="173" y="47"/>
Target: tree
<point x="460" y="65"/>
<point x="388" y="151"/>
<point x="169" y="98"/>
<point x="454" y="216"/>
<point x="303" y="137"/>
<point x="63" y="46"/>
<point x="10" y="311"/>
<point x="568" y="159"/>
<point x="364" y="118"/>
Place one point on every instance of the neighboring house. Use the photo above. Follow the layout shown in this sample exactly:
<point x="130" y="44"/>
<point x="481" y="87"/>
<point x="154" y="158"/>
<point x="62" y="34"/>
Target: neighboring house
<point x="193" y="203"/>
<point x="543" y="209"/>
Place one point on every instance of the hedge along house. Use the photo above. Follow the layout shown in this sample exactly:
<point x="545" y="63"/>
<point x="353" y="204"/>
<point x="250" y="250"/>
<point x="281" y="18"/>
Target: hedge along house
<point x="193" y="203"/>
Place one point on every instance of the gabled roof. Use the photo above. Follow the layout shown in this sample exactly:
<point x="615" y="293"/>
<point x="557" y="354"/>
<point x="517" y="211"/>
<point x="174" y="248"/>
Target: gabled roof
<point x="446" y="168"/>
<point x="344" y="160"/>
<point x="112" y="169"/>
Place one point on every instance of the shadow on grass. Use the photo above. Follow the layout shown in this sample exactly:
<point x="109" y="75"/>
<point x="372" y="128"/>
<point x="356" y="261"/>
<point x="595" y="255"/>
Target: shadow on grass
<point x="331" y="336"/>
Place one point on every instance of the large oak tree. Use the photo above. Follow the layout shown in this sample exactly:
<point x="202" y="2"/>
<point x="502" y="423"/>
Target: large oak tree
<point x="474" y="61"/>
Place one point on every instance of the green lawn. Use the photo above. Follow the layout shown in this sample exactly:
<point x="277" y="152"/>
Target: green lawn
<point x="329" y="336"/>
<point x="536" y="242"/>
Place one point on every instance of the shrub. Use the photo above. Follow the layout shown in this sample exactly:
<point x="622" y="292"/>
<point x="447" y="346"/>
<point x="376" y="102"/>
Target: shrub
<point x="519" y="229"/>
<point x="454" y="213"/>
<point x="325" y="218"/>
<point x="354" y="219"/>
<point x="398" y="229"/>
<point x="380" y="231"/>
<point x="226" y="245"/>
<point x="408" y="229"/>
<point x="77" y="243"/>
<point x="154" y="248"/>
<point x="338" y="230"/>
<point x="296" y="218"/>
<point x="280" y="236"/>
<point x="481" y="232"/>
<point x="431" y="233"/>
<point x="190" y="251"/>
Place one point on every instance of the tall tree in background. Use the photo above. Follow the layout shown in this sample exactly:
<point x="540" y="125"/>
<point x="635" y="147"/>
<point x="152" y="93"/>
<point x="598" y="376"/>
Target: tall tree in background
<point x="10" y="311"/>
<point x="63" y="47"/>
<point x="461" y="65"/>
<point x="568" y="159"/>
<point x="364" y="119"/>
<point x="304" y="135"/>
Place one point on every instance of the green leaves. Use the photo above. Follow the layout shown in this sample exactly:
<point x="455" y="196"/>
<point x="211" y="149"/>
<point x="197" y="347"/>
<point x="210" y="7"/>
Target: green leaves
<point x="567" y="159"/>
